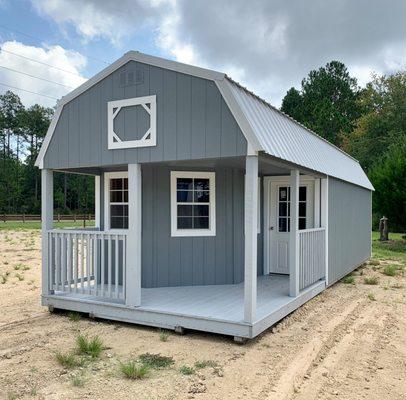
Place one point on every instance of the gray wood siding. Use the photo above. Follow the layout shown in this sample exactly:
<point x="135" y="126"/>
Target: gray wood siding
<point x="182" y="261"/>
<point x="349" y="227"/>
<point x="193" y="122"/>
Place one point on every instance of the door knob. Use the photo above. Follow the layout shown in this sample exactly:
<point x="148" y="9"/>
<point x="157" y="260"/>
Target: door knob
<point x="271" y="228"/>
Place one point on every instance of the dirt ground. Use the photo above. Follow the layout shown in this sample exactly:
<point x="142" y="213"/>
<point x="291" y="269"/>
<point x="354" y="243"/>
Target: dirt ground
<point x="347" y="343"/>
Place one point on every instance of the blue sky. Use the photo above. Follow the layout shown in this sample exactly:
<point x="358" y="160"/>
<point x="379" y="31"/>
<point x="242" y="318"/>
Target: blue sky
<point x="268" y="45"/>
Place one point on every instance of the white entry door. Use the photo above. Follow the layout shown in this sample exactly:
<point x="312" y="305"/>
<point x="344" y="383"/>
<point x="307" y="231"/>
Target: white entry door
<point x="278" y="215"/>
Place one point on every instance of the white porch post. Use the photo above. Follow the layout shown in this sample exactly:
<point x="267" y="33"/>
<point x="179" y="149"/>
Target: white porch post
<point x="47" y="217"/>
<point x="97" y="194"/>
<point x="324" y="217"/>
<point x="250" y="229"/>
<point x="293" y="238"/>
<point x="133" y="259"/>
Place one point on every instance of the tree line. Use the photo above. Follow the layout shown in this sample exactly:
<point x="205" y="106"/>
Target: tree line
<point x="22" y="130"/>
<point x="369" y="123"/>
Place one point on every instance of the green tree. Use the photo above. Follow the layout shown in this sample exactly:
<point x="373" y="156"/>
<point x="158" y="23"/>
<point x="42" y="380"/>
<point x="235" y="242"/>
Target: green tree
<point x="327" y="102"/>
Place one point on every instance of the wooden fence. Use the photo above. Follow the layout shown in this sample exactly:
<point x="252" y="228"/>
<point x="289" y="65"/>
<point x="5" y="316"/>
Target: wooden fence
<point x="57" y="217"/>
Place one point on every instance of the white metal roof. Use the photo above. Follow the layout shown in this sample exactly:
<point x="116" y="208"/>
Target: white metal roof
<point x="279" y="135"/>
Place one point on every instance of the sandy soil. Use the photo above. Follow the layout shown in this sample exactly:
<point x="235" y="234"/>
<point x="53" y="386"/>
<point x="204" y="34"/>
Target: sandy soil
<point x="340" y="345"/>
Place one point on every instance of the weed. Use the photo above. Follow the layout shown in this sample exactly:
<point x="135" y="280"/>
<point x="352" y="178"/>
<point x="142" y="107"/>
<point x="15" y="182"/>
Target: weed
<point x="68" y="360"/>
<point x="374" y="262"/>
<point x="371" y="297"/>
<point x="163" y="336"/>
<point x="92" y="348"/>
<point x="20" y="277"/>
<point x="205" y="364"/>
<point x="186" y="370"/>
<point x="397" y="286"/>
<point x="11" y="396"/>
<point x="156" y="361"/>
<point x="78" y="380"/>
<point x="3" y="279"/>
<point x="34" y="391"/>
<point x="21" y="267"/>
<point x="74" y="316"/>
<point x="390" y="270"/>
<point x="133" y="370"/>
<point x="349" y="279"/>
<point x="371" y="280"/>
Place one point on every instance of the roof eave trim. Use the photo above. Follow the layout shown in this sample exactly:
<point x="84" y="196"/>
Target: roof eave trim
<point x="146" y="59"/>
<point x="39" y="162"/>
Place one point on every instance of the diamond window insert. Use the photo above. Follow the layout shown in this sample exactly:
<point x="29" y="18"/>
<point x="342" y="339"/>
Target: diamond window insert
<point x="148" y="103"/>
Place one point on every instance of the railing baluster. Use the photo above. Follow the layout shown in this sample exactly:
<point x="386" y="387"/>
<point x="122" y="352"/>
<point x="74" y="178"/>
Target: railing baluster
<point x="95" y="266"/>
<point x="88" y="264"/>
<point x="69" y="262"/>
<point x="109" y="265"/>
<point x="57" y="262"/>
<point x="124" y="269"/>
<point x="76" y="262"/>
<point x="51" y="261"/>
<point x="82" y="268"/>
<point x="102" y="269"/>
<point x="116" y="248"/>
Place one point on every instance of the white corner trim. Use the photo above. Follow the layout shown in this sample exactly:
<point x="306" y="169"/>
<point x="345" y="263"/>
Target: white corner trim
<point x="39" y="162"/>
<point x="107" y="177"/>
<point x="175" y="232"/>
<point x="113" y="109"/>
<point x="97" y="194"/>
<point x="253" y="144"/>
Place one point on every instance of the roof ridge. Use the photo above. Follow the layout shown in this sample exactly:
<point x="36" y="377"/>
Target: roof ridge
<point x="288" y="116"/>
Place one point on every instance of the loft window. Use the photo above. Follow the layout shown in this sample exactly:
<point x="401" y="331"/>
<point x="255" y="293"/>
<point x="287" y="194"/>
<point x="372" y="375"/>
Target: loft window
<point x="116" y="188"/>
<point x="193" y="203"/>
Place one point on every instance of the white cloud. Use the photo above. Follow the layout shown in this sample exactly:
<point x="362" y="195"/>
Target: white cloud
<point x="56" y="56"/>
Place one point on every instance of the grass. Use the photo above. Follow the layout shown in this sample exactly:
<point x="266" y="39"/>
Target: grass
<point x="4" y="278"/>
<point x="133" y="370"/>
<point x="19" y="276"/>
<point x="371" y="280"/>
<point x="394" y="249"/>
<point x="156" y="361"/>
<point x="68" y="360"/>
<point x="390" y="270"/>
<point x="349" y="280"/>
<point x="186" y="370"/>
<point x="19" y="225"/>
<point x="163" y="336"/>
<point x="21" y="267"/>
<point x="92" y="347"/>
<point x="74" y="316"/>
<point x="371" y="297"/>
<point x="205" y="364"/>
<point x="78" y="380"/>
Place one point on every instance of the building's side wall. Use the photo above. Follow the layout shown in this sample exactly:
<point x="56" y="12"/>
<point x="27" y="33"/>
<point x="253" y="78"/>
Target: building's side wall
<point x="349" y="227"/>
<point x="193" y="121"/>
<point x="182" y="261"/>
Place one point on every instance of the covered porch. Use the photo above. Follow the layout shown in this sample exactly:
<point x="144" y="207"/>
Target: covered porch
<point x="99" y="271"/>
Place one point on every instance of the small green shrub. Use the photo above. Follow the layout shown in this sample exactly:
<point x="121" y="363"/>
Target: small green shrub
<point x="34" y="391"/>
<point x="156" y="361"/>
<point x="21" y="267"/>
<point x="78" y="380"/>
<point x="68" y="360"/>
<point x="163" y="336"/>
<point x="371" y="297"/>
<point x="390" y="270"/>
<point x="133" y="370"/>
<point x="20" y="277"/>
<point x="92" y="347"/>
<point x="349" y="280"/>
<point x="186" y="370"/>
<point x="74" y="316"/>
<point x="205" y="364"/>
<point x="371" y="280"/>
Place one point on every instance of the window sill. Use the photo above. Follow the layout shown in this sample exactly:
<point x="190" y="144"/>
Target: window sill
<point x="193" y="233"/>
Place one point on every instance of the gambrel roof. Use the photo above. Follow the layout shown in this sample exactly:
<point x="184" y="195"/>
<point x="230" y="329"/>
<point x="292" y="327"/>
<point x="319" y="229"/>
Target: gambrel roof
<point x="266" y="128"/>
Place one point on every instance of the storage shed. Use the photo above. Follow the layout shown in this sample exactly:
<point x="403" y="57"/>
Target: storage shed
<point x="214" y="210"/>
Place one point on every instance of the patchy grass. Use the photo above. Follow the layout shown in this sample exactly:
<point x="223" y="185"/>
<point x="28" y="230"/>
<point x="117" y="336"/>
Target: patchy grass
<point x="4" y="277"/>
<point x="19" y="276"/>
<point x="349" y="280"/>
<point x="393" y="249"/>
<point x="163" y="336"/>
<point x="186" y="370"/>
<point x="19" y="225"/>
<point x="92" y="347"/>
<point x="78" y="380"/>
<point x="68" y="360"/>
<point x="390" y="270"/>
<point x="133" y="370"/>
<point x="371" y="280"/>
<point x="205" y="364"/>
<point x="21" y="267"/>
<point x="371" y="297"/>
<point x="74" y="316"/>
<point x="156" y="361"/>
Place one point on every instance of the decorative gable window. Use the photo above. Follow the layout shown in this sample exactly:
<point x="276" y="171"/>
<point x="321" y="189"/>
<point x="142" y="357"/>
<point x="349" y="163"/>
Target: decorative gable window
<point x="193" y="203"/>
<point x="148" y="104"/>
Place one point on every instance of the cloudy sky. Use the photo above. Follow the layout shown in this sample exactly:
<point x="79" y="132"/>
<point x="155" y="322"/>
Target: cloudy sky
<point x="268" y="45"/>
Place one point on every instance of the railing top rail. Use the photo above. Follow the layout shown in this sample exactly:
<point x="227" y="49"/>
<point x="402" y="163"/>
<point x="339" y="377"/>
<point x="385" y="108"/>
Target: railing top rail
<point x="311" y="230"/>
<point x="93" y="231"/>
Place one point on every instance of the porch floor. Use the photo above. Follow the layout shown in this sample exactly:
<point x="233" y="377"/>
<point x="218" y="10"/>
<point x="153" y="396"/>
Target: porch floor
<point x="212" y="308"/>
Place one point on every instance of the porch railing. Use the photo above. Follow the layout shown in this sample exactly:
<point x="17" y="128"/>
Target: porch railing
<point x="87" y="262"/>
<point x="312" y="256"/>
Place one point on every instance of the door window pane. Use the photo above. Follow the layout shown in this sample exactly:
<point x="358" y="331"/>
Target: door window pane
<point x="118" y="203"/>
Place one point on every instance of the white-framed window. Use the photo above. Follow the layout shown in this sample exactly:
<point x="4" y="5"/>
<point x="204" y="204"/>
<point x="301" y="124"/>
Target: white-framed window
<point x="193" y="203"/>
<point x="116" y="200"/>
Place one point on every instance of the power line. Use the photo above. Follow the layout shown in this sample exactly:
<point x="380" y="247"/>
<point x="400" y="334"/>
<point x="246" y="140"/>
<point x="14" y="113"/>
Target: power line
<point x="40" y="62"/>
<point x="41" y="40"/>
<point x="36" y="77"/>
<point x="29" y="91"/>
